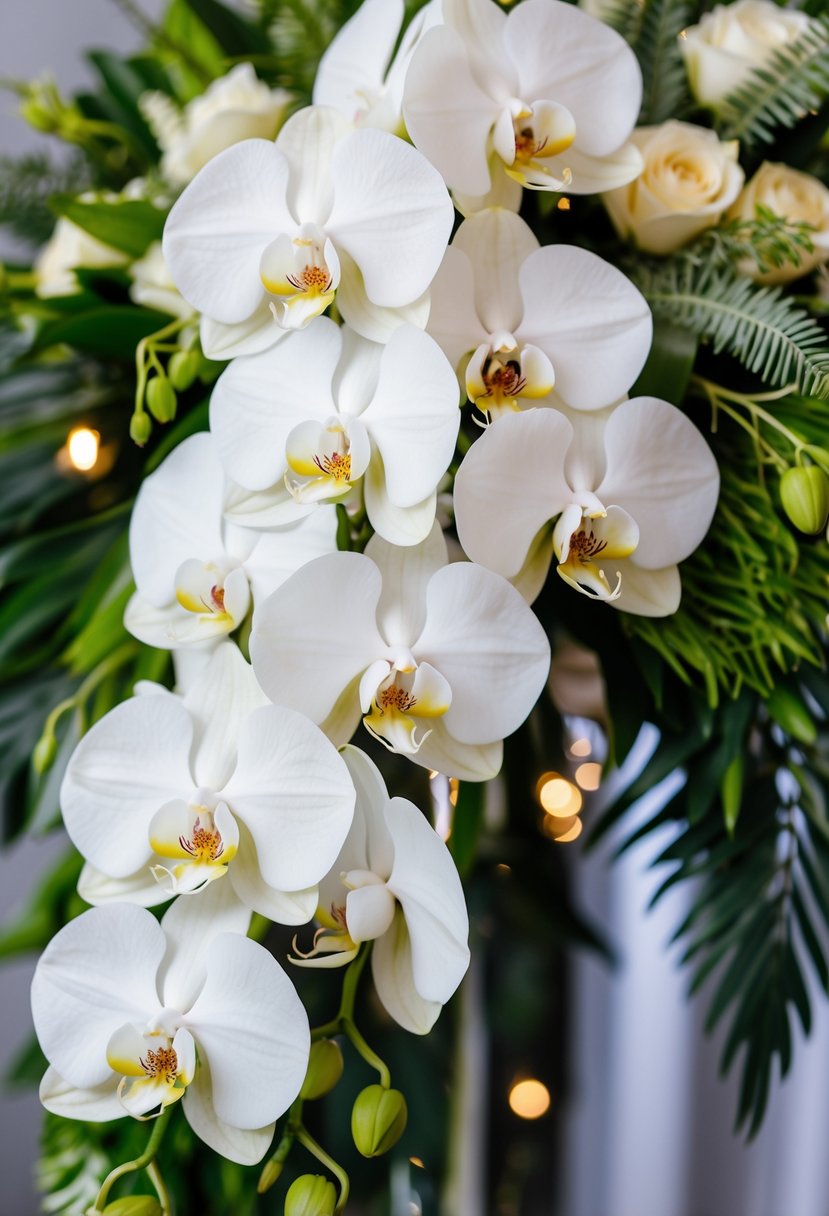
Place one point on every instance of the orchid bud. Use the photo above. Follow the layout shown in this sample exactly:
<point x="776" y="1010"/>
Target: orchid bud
<point x="804" y="493"/>
<point x="271" y="1173"/>
<point x="183" y="368"/>
<point x="161" y="399"/>
<point x="43" y="756"/>
<point x="311" y="1195"/>
<point x="325" y="1067"/>
<point x="134" y="1205"/>
<point x="140" y="429"/>
<point x="378" y="1120"/>
<point x="788" y="711"/>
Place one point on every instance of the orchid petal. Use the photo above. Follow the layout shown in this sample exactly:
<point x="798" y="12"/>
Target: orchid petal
<point x="653" y="593"/>
<point x="356" y="60"/>
<point x="280" y="552"/>
<point x="510" y="483"/>
<point x="401" y="612"/>
<point x="391" y="969"/>
<point x="442" y="753"/>
<point x="369" y="844"/>
<point x="96" y="888"/>
<point x="308" y="141"/>
<point x="369" y="912"/>
<point x="370" y="320"/>
<point x="293" y="793"/>
<point x="190" y="927"/>
<point x="220" y="702"/>
<point x="396" y="237"/>
<point x="661" y="470"/>
<point x="482" y="637"/>
<point x="284" y="907"/>
<point x="596" y="174"/>
<point x="594" y="325"/>
<point x="256" y="333"/>
<point x="110" y="791"/>
<point x="97" y="973"/>
<point x="247" y="1147"/>
<point x="454" y="322"/>
<point x="249" y="1023"/>
<point x="99" y="1104"/>
<point x="303" y="627"/>
<point x="216" y="231"/>
<point x="426" y="883"/>
<point x="497" y="244"/>
<point x="504" y="192"/>
<point x="357" y="373"/>
<point x="404" y="526"/>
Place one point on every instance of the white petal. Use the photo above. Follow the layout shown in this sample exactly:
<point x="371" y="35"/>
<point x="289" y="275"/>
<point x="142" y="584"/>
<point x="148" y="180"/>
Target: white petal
<point x="284" y="907"/>
<point x="594" y="325"/>
<point x="369" y="912"/>
<point x="280" y="552"/>
<point x="140" y="888"/>
<point x="398" y="525"/>
<point x="566" y="56"/>
<point x="220" y="701"/>
<point x="448" y="115"/>
<point x="245" y="1147"/>
<point x="482" y="638"/>
<point x="317" y="633"/>
<point x="442" y="753"/>
<point x="649" y="592"/>
<point x="504" y="192"/>
<point x="497" y="244"/>
<point x="368" y="845"/>
<point x="128" y="765"/>
<point x="357" y="57"/>
<point x="177" y="516"/>
<point x="252" y="1029"/>
<point x="396" y="237"/>
<point x="406" y="572"/>
<point x="257" y="402"/>
<point x="426" y="883"/>
<point x="249" y="337"/>
<point x="100" y="1104"/>
<point x="454" y="322"/>
<point x="308" y="141"/>
<point x="370" y="320"/>
<point x="355" y="380"/>
<point x="595" y="174"/>
<point x="173" y="627"/>
<point x="391" y="969"/>
<point x="190" y="926"/>
<point x="511" y="482"/>
<point x="215" y="233"/>
<point x="660" y="470"/>
<point x="97" y="973"/>
<point x="293" y="793"/>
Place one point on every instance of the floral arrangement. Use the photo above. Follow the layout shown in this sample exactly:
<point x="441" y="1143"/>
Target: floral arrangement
<point x="376" y="356"/>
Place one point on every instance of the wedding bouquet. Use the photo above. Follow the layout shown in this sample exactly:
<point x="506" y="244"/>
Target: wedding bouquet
<point x="379" y="353"/>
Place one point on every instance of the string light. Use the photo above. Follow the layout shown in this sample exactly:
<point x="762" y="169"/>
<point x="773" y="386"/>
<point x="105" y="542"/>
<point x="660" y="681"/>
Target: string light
<point x="589" y="776"/>
<point x="82" y="446"/>
<point x="558" y="796"/>
<point x="581" y="747"/>
<point x="562" y="831"/>
<point x="529" y="1099"/>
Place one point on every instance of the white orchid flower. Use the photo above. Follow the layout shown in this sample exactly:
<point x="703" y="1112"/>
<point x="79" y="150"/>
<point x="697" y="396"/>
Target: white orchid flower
<point x="134" y="1016"/>
<point x="382" y="417"/>
<point x="394" y="884"/>
<point x="196" y="573"/>
<point x="216" y="783"/>
<point x="632" y="492"/>
<point x="271" y="232"/>
<point x="441" y="661"/>
<point x="526" y="318"/>
<point x="543" y="97"/>
<point x="360" y="76"/>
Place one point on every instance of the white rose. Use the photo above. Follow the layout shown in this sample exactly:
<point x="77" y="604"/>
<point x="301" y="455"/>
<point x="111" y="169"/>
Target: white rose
<point x="235" y="107"/>
<point x="153" y="286"/>
<point x="689" y="179"/>
<point x="731" y="41"/>
<point x="793" y="196"/>
<point x="68" y="248"/>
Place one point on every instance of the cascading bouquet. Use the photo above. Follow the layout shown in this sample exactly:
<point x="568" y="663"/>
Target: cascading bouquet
<point x="562" y="392"/>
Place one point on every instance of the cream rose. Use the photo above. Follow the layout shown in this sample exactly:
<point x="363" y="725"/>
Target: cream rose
<point x="731" y="41"/>
<point x="794" y="196"/>
<point x="70" y="248"/>
<point x="689" y="179"/>
<point x="235" y="107"/>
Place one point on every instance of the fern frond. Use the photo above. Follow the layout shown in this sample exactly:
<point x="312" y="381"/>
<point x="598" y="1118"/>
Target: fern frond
<point x="760" y="326"/>
<point x="793" y="81"/>
<point x="625" y="17"/>
<point x="663" y="70"/>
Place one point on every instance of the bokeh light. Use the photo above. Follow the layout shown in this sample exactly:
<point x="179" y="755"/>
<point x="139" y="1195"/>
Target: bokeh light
<point x="529" y="1099"/>
<point x="589" y="776"/>
<point x="83" y="445"/>
<point x="558" y="796"/>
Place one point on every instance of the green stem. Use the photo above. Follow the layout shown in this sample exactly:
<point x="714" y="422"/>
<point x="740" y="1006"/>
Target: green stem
<point x="155" y="1176"/>
<point x="309" y="1143"/>
<point x="344" y="1022"/>
<point x="371" y="1057"/>
<point x="140" y="1163"/>
<point x="105" y="668"/>
<point x="145" y="352"/>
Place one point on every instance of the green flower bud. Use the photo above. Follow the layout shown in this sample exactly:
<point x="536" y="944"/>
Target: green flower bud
<point x="788" y="711"/>
<point x="161" y="399"/>
<point x="183" y="368"/>
<point x="378" y="1120"/>
<point x="325" y="1067"/>
<point x="134" y="1205"/>
<point x="43" y="756"/>
<point x="271" y="1173"/>
<point x="140" y="429"/>
<point x="311" y="1195"/>
<point x="804" y="493"/>
<point x="39" y="116"/>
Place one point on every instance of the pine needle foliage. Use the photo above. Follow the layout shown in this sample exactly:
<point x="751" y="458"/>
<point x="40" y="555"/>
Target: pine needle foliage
<point x="763" y="328"/>
<point x="27" y="182"/>
<point x="656" y="46"/>
<point x="792" y="82"/>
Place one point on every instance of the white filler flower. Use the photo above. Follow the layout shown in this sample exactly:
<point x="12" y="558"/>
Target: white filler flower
<point x="169" y="794"/>
<point x="195" y="572"/>
<point x="632" y="493"/>
<point x="384" y="418"/>
<point x="516" y="319"/>
<point x="544" y="97"/>
<point x="134" y="1015"/>
<point x="281" y="228"/>
<point x="394" y="884"/>
<point x="441" y="661"/>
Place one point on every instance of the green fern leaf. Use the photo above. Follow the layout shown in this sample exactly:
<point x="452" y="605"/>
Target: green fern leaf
<point x="656" y="46"/>
<point x="792" y="82"/>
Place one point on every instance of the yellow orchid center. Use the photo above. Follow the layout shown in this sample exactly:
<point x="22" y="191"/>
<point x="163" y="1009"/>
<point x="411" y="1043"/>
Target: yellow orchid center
<point x="204" y="844"/>
<point x="161" y="1063"/>
<point x="198" y="843"/>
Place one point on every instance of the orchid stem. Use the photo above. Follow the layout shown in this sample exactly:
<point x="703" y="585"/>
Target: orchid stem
<point x="316" y="1150"/>
<point x="344" y="1022"/>
<point x="143" y="1162"/>
<point x="155" y="1176"/>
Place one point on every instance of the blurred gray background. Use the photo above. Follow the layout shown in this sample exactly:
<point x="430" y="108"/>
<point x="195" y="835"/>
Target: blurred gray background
<point x="649" y="1126"/>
